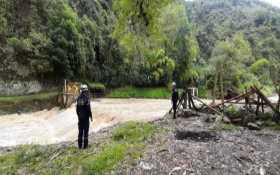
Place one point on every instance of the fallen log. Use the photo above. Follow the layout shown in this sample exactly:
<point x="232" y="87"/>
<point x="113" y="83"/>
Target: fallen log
<point x="210" y="107"/>
<point x="238" y="98"/>
<point x="267" y="101"/>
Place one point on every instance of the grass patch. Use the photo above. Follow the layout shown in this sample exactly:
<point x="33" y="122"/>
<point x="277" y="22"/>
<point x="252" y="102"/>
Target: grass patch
<point x="126" y="143"/>
<point x="25" y="160"/>
<point x="28" y="103"/>
<point x="275" y="127"/>
<point x="133" y="132"/>
<point x="133" y="92"/>
<point x="272" y="125"/>
<point x="225" y="127"/>
<point x="107" y="159"/>
<point x="228" y="127"/>
<point x="28" y="98"/>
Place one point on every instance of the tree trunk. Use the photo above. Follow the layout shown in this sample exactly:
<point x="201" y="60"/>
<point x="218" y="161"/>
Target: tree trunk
<point x="222" y="90"/>
<point x="258" y="105"/>
<point x="185" y="102"/>
<point x="278" y="103"/>
<point x="215" y="88"/>
<point x="262" y="102"/>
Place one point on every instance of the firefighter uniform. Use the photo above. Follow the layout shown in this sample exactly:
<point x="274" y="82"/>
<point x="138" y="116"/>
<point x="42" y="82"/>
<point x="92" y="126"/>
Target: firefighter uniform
<point x="83" y="110"/>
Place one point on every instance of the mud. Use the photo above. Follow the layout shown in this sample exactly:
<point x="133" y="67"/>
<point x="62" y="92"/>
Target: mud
<point x="199" y="136"/>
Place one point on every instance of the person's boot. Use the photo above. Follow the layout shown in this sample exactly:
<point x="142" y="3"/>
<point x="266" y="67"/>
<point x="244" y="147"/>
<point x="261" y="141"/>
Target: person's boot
<point x="174" y="114"/>
<point x="80" y="143"/>
<point x="85" y="143"/>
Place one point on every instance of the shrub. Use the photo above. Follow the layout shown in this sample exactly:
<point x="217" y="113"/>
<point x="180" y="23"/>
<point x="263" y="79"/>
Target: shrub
<point x="232" y="112"/>
<point x="97" y="87"/>
<point x="134" y="92"/>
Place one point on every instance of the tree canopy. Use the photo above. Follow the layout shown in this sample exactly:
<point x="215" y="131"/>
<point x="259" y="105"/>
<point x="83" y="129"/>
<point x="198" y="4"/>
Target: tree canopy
<point x="141" y="42"/>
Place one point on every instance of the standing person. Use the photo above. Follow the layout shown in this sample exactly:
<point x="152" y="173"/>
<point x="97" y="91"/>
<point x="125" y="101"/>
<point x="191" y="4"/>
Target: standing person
<point x="174" y="99"/>
<point x="84" y="114"/>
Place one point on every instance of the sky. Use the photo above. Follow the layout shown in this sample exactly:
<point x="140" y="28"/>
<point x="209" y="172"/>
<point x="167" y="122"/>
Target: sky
<point x="273" y="2"/>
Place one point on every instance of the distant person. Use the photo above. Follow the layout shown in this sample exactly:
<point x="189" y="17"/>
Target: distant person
<point x="174" y="99"/>
<point x="84" y="114"/>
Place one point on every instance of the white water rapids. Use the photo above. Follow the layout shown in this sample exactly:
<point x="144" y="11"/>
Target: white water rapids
<point x="55" y="125"/>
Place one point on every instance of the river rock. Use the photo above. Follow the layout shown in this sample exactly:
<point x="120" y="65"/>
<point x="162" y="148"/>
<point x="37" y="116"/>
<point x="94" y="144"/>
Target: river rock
<point x="226" y="120"/>
<point x="253" y="126"/>
<point x="210" y="119"/>
<point x="145" y="166"/>
<point x="260" y="123"/>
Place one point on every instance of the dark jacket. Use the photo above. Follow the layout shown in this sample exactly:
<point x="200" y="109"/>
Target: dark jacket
<point x="175" y="96"/>
<point x="83" y="107"/>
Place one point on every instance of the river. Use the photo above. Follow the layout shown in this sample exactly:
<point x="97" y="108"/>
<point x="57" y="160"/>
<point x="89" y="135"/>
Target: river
<point x="56" y="125"/>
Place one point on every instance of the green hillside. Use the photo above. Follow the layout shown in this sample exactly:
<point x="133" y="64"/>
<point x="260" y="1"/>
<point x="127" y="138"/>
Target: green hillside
<point x="216" y="20"/>
<point x="138" y="43"/>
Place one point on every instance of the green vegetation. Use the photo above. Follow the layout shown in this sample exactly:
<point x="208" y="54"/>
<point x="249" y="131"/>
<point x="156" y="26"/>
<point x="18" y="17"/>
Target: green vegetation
<point x="233" y="112"/>
<point x="274" y="126"/>
<point x="202" y="92"/>
<point x="96" y="87"/>
<point x="28" y="103"/>
<point x="113" y="42"/>
<point x="228" y="62"/>
<point x="27" y="98"/>
<point x="228" y="127"/>
<point x="133" y="92"/>
<point x="228" y="28"/>
<point x="126" y="143"/>
<point x="128" y="139"/>
<point x="268" y="123"/>
<point x="133" y="132"/>
<point x="157" y="40"/>
<point x="51" y="40"/>
<point x="217" y="45"/>
<point x="107" y="159"/>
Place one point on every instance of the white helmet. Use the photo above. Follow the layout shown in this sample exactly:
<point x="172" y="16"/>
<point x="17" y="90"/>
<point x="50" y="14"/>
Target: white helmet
<point x="173" y="84"/>
<point x="84" y="87"/>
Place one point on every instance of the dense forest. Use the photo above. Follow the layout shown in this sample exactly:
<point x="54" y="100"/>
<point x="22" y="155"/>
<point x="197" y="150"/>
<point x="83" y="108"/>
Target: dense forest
<point x="233" y="43"/>
<point x="240" y="39"/>
<point x="53" y="40"/>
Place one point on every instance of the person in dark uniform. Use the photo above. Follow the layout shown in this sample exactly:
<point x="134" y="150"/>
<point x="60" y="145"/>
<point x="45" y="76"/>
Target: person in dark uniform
<point x="174" y="99"/>
<point x="84" y="114"/>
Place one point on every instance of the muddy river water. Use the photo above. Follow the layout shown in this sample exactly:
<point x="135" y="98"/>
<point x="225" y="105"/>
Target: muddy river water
<point x="55" y="125"/>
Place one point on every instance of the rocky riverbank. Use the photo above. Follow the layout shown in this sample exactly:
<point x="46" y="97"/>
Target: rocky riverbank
<point x="191" y="146"/>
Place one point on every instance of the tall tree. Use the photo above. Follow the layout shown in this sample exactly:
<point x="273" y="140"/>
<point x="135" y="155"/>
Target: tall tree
<point x="179" y="41"/>
<point x="229" y="63"/>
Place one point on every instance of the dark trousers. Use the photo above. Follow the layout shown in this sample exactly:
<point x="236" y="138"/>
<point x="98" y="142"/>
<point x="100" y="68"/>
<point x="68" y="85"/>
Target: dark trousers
<point x="174" y="106"/>
<point x="83" y="134"/>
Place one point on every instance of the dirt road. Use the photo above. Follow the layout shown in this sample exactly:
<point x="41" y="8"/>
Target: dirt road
<point x="54" y="126"/>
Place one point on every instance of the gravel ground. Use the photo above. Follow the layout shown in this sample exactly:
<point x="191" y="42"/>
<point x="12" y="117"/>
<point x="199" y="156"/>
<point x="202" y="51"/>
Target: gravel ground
<point x="191" y="147"/>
